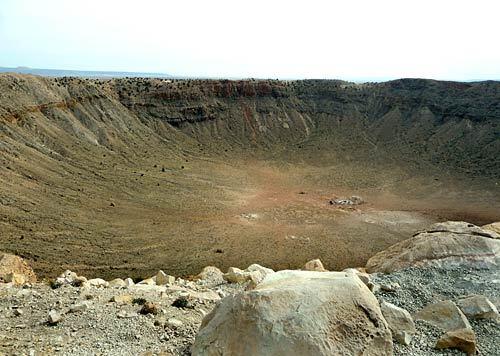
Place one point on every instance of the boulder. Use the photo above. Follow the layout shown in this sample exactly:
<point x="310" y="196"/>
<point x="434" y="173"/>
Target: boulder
<point x="122" y="299"/>
<point x="314" y="265"/>
<point x="461" y="339"/>
<point x="15" y="278"/>
<point x="211" y="274"/>
<point x="444" y="243"/>
<point x="117" y="283"/>
<point x="162" y="278"/>
<point x="493" y="227"/>
<point x="129" y="282"/>
<point x="444" y="315"/>
<point x="15" y="269"/>
<point x="365" y="277"/>
<point x="148" y="281"/>
<point x="174" y="323"/>
<point x="297" y="313"/>
<point x="400" y="322"/>
<point x="54" y="317"/>
<point x="69" y="278"/>
<point x="478" y="307"/>
<point x="97" y="282"/>
<point x="254" y="273"/>
<point x="79" y="307"/>
<point x="149" y="308"/>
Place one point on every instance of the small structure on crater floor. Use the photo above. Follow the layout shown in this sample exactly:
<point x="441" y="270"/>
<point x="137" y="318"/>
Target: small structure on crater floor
<point x="353" y="200"/>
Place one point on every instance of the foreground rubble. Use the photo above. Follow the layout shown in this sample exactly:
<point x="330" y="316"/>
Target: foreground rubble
<point x="438" y="308"/>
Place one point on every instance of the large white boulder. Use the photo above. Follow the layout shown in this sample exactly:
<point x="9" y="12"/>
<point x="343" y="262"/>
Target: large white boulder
<point x="452" y="242"/>
<point x="297" y="313"/>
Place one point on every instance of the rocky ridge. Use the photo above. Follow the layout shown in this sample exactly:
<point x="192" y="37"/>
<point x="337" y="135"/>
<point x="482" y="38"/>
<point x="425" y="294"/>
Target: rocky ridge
<point x="441" y="308"/>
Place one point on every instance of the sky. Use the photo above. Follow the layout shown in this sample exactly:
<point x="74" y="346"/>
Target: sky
<point x="352" y="40"/>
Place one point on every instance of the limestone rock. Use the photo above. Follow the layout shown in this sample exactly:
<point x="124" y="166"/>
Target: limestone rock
<point x="314" y="265"/>
<point x="211" y="274"/>
<point x="462" y="227"/>
<point x="444" y="243"/>
<point x="390" y="287"/>
<point x="254" y="273"/>
<point x="297" y="313"/>
<point x="129" y="282"/>
<point x="444" y="315"/>
<point x="97" y="282"/>
<point x="69" y="278"/>
<point x="162" y="278"/>
<point x="174" y="323"/>
<point x="15" y="278"/>
<point x="54" y="317"/>
<point x="117" y="283"/>
<point x="79" y="307"/>
<point x="122" y="299"/>
<point x="365" y="277"/>
<point x="148" y="281"/>
<point x="461" y="339"/>
<point x="400" y="322"/>
<point x="493" y="227"/>
<point x="14" y="267"/>
<point x="478" y="307"/>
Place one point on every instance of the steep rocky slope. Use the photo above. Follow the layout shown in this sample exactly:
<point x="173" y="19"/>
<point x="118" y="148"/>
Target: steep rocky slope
<point x="98" y="174"/>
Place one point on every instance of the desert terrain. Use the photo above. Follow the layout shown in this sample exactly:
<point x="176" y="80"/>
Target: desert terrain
<point x="123" y="177"/>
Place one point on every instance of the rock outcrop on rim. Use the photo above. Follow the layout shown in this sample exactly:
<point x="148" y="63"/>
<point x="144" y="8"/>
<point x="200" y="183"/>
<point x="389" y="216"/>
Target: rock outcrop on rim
<point x="15" y="269"/>
<point x="297" y="313"/>
<point x="451" y="242"/>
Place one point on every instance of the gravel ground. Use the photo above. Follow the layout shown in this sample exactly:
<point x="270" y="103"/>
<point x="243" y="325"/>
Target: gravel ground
<point x="105" y="327"/>
<point x="423" y="286"/>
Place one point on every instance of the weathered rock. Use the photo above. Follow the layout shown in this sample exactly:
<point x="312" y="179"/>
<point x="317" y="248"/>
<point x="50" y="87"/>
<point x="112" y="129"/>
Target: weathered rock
<point x="174" y="323"/>
<point x="129" y="282"/>
<point x="390" y="287"/>
<point x="69" y="278"/>
<point x="444" y="315"/>
<point x="478" y="307"/>
<point x="148" y="281"/>
<point x="444" y="243"/>
<point x="365" y="277"/>
<point x="162" y="278"/>
<point x="15" y="269"/>
<point x="400" y="322"/>
<point x="493" y="227"/>
<point x="314" y="265"/>
<point x="236" y="275"/>
<point x="97" y="282"/>
<point x="54" y="317"/>
<point x="123" y="314"/>
<point x="212" y="275"/>
<point x="15" y="278"/>
<point x="117" y="283"/>
<point x="461" y="339"/>
<point x="297" y="313"/>
<point x="79" y="307"/>
<point x="254" y="273"/>
<point x="122" y="299"/>
<point x="149" y="308"/>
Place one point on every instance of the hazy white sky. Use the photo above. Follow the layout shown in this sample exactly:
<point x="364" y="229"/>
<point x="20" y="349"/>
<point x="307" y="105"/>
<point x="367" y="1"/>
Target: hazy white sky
<point x="355" y="39"/>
